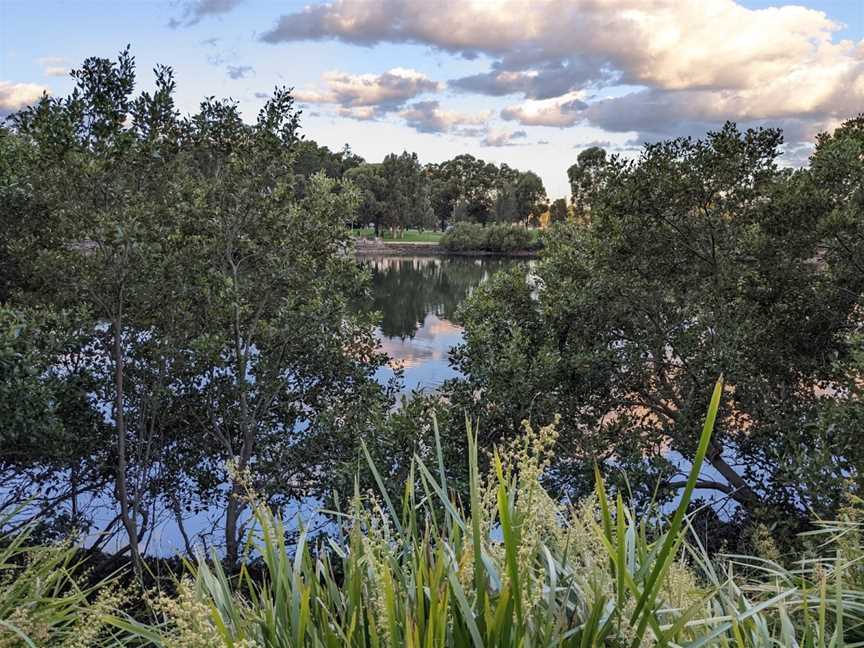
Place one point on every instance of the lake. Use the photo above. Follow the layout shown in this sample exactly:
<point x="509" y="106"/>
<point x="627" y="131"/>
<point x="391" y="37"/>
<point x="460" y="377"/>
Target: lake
<point x="417" y="298"/>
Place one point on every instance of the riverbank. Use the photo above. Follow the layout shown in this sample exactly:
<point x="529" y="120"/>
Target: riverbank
<point x="378" y="247"/>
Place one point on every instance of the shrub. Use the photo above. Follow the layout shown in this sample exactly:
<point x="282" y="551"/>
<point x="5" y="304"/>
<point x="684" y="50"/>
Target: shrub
<point x="507" y="238"/>
<point x="42" y="601"/>
<point x="501" y="238"/>
<point x="463" y="237"/>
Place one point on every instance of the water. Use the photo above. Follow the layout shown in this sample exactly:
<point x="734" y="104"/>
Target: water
<point x="418" y="298"/>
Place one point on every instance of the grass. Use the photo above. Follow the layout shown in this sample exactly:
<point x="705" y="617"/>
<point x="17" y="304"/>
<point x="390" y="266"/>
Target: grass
<point x="406" y="236"/>
<point x="416" y="236"/>
<point x="511" y="568"/>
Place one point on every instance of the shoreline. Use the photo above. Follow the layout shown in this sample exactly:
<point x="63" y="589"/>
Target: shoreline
<point x="363" y="247"/>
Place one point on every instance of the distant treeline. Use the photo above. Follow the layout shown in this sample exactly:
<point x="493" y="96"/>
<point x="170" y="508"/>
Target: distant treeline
<point x="400" y="192"/>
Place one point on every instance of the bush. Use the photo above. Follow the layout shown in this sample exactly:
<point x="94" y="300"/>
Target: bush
<point x="507" y="238"/>
<point x="463" y="237"/>
<point x="501" y="238"/>
<point x="43" y="601"/>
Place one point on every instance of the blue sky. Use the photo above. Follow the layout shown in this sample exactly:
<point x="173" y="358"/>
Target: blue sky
<point x="527" y="82"/>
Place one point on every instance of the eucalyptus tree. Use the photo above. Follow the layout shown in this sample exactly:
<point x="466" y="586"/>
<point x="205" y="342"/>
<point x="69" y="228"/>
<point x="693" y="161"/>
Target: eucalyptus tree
<point x="530" y="196"/>
<point x="558" y="210"/>
<point x="701" y="258"/>
<point x="372" y="187"/>
<point x="586" y="177"/>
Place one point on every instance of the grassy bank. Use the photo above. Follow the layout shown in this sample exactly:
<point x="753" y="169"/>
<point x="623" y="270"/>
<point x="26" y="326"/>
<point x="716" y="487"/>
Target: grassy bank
<point x="405" y="236"/>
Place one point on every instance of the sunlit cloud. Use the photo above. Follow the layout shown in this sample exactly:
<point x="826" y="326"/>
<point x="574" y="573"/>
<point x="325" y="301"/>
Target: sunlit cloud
<point x="15" y="96"/>
<point x="687" y="64"/>
<point x="365" y="96"/>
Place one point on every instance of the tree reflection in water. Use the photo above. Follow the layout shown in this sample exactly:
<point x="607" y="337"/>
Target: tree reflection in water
<point x="417" y="298"/>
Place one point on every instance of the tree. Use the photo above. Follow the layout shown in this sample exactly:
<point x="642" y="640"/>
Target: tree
<point x="310" y="158"/>
<point x="558" y="211"/>
<point x="189" y="309"/>
<point x="530" y="196"/>
<point x="282" y="367"/>
<point x="405" y="183"/>
<point x="504" y="204"/>
<point x="586" y="178"/>
<point x="698" y="260"/>
<point x="372" y="185"/>
<point x="104" y="161"/>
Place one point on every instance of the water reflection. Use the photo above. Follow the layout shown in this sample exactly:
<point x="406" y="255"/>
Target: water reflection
<point x="417" y="298"/>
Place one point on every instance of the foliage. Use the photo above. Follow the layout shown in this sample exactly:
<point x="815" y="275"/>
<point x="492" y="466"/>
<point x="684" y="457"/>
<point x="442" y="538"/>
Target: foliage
<point x="43" y="601"/>
<point x="466" y="188"/>
<point x="586" y="178"/>
<point x="311" y="159"/>
<point x="558" y="211"/>
<point x="499" y="238"/>
<point x="201" y="309"/>
<point x="698" y="258"/>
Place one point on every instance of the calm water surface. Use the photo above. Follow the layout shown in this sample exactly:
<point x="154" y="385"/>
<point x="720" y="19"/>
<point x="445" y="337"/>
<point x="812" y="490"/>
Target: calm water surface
<point x="417" y="298"/>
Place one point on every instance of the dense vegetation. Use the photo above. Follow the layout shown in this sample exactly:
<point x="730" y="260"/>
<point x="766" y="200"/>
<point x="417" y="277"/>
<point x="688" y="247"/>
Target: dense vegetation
<point x="501" y="238"/>
<point x="180" y="344"/>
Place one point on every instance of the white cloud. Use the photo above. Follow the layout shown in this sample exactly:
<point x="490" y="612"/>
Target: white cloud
<point x="54" y="66"/>
<point x="15" y="96"/>
<point x="362" y="94"/>
<point x="562" y="111"/>
<point x="429" y="117"/>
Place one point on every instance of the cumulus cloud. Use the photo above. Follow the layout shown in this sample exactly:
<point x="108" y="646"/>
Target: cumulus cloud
<point x="604" y="144"/>
<point x="496" y="137"/>
<point x="195" y="11"/>
<point x="429" y="117"/>
<point x="364" y="96"/>
<point x="240" y="71"/>
<point x="15" y="96"/>
<point x="693" y="63"/>
<point x="667" y="43"/>
<point x="54" y="66"/>
<point x="539" y="82"/>
<point x="562" y="111"/>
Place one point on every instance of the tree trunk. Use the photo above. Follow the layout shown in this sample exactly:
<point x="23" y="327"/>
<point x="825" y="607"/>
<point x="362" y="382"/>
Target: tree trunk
<point x="129" y="523"/>
<point x="235" y="501"/>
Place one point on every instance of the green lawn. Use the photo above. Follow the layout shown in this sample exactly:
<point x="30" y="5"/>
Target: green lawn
<point x="408" y="236"/>
<point x="416" y="236"/>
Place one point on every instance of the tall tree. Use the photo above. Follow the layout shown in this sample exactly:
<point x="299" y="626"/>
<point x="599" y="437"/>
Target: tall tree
<point x="104" y="164"/>
<point x="558" y="210"/>
<point x="530" y="196"/>
<point x="372" y="186"/>
<point x="281" y="362"/>
<point x="586" y="178"/>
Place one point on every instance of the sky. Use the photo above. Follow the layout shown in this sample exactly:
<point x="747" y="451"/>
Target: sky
<point x="526" y="82"/>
